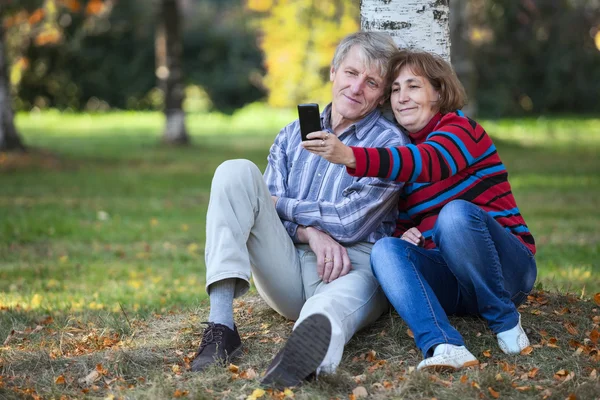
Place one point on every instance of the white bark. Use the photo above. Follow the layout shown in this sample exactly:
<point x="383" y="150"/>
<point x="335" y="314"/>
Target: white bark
<point x="415" y="24"/>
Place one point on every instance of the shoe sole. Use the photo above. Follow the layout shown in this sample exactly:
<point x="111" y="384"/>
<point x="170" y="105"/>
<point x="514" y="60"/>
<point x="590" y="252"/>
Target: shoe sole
<point x="449" y="368"/>
<point x="302" y="354"/>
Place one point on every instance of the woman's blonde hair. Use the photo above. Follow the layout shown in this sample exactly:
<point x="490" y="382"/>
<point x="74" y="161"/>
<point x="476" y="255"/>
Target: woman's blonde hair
<point x="438" y="72"/>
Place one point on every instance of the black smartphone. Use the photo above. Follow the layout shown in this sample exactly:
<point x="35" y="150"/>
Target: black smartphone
<point x="310" y="119"/>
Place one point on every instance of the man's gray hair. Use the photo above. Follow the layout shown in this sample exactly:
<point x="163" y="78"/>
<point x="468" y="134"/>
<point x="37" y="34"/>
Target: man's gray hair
<point x="376" y="48"/>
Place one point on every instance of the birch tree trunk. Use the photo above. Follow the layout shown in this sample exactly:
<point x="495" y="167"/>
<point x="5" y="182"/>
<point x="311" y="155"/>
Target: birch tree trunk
<point x="9" y="138"/>
<point x="462" y="53"/>
<point x="420" y="24"/>
<point x="169" y="47"/>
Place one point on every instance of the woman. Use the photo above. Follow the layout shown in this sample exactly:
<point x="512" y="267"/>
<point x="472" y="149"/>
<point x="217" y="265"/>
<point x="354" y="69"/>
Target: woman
<point x="464" y="247"/>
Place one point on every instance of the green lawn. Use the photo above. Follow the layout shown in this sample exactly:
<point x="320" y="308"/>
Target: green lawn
<point x="111" y="216"/>
<point x="101" y="225"/>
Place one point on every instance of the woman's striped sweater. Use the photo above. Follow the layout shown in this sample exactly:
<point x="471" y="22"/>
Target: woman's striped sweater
<point x="451" y="158"/>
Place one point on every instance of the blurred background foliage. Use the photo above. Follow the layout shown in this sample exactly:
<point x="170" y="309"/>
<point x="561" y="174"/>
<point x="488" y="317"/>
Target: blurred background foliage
<point x="530" y="56"/>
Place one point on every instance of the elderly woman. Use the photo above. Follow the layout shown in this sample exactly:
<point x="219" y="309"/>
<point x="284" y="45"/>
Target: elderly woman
<point x="463" y="246"/>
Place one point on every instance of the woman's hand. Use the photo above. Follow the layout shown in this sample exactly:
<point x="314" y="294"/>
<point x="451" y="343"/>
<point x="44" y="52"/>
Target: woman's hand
<point x="328" y="146"/>
<point x="414" y="236"/>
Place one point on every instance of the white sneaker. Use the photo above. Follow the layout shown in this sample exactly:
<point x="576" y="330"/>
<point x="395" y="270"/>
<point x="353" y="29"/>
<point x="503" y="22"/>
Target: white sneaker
<point x="514" y="340"/>
<point x="448" y="357"/>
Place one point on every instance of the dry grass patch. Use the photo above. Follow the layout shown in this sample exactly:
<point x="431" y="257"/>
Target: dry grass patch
<point x="150" y="358"/>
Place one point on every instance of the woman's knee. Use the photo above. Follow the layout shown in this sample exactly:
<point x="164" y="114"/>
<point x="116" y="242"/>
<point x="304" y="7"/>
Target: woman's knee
<point x="387" y="253"/>
<point x="454" y="217"/>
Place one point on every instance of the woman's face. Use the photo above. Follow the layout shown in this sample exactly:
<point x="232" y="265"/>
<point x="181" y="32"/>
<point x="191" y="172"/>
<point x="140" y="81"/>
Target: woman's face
<point x="414" y="100"/>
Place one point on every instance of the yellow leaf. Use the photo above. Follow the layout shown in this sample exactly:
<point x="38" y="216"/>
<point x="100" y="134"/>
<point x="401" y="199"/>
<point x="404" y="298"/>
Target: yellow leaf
<point x="60" y="380"/>
<point x="288" y="393"/>
<point x="597" y="41"/>
<point x="258" y="393"/>
<point x="153" y="222"/>
<point x="475" y="385"/>
<point x="234" y="368"/>
<point x="176" y="369"/>
<point x="36" y="301"/>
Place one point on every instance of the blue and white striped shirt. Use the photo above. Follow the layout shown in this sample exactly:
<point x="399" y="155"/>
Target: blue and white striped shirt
<point x="314" y="192"/>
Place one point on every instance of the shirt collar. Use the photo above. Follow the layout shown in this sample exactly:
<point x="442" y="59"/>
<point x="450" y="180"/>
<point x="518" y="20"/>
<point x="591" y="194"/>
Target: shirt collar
<point x="360" y="128"/>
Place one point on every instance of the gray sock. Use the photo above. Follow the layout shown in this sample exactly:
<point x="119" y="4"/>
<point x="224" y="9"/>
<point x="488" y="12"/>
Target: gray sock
<point x="221" y="302"/>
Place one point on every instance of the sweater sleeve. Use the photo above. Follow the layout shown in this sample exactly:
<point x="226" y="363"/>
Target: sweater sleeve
<point x="455" y="144"/>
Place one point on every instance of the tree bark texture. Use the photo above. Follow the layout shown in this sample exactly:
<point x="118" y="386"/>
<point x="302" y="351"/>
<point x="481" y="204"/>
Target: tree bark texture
<point x="9" y="137"/>
<point x="418" y="24"/>
<point x="169" y="71"/>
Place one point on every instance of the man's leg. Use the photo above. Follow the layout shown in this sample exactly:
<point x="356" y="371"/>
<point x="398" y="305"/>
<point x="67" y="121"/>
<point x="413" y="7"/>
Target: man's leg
<point x="244" y="234"/>
<point x="351" y="302"/>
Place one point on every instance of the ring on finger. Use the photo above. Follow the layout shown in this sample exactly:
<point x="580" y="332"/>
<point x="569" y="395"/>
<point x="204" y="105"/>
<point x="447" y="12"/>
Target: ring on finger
<point x="327" y="260"/>
<point x="322" y="142"/>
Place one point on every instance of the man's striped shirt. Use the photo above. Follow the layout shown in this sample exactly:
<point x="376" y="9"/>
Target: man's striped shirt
<point x="314" y="192"/>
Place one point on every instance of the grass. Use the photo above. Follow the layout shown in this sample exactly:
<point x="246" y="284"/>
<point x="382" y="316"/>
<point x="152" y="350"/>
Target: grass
<point x="101" y="245"/>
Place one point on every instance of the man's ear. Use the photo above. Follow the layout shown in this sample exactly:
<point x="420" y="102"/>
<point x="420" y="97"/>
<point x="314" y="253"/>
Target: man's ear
<point x="331" y="73"/>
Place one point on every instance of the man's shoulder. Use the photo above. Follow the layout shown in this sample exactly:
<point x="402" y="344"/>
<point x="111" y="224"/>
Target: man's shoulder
<point x="385" y="132"/>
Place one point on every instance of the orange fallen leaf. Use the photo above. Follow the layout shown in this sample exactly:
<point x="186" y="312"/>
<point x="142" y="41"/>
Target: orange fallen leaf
<point x="597" y="298"/>
<point x="463" y="379"/>
<point x="533" y="372"/>
<point x="410" y="333"/>
<point x="475" y="385"/>
<point x="487" y="353"/>
<point x="527" y="351"/>
<point x="561" y="374"/>
<point x="493" y="393"/>
<point x="594" y="336"/>
<point x="60" y="380"/>
<point x="572" y="397"/>
<point x="233" y="368"/>
<point x="522" y="388"/>
<point x="180" y="393"/>
<point x="371" y="356"/>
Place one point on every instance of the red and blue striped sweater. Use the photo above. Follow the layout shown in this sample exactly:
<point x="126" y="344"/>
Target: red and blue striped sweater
<point x="451" y="158"/>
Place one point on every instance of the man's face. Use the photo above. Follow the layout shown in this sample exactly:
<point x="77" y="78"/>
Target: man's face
<point x="357" y="88"/>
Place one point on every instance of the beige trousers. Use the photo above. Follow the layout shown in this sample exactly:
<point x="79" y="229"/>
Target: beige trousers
<point x="244" y="235"/>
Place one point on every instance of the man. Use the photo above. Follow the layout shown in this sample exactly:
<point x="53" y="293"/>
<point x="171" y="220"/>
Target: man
<point x="305" y="232"/>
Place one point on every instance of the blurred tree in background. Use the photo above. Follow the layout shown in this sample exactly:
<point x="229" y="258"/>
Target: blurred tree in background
<point x="536" y="56"/>
<point x="299" y="38"/>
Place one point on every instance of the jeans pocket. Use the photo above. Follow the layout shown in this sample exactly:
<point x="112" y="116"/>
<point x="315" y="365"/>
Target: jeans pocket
<point x="519" y="298"/>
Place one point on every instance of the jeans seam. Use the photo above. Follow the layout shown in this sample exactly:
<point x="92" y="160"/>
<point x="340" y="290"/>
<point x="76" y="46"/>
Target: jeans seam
<point x="431" y="312"/>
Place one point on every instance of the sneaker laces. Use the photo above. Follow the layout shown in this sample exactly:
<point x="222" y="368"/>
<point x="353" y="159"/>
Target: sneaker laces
<point x="212" y="335"/>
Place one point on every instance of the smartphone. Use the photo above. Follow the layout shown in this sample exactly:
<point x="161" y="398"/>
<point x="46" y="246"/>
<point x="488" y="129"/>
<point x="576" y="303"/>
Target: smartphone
<point x="310" y="119"/>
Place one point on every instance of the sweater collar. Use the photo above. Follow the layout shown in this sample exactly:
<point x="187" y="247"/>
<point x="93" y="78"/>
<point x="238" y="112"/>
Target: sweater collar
<point x="420" y="136"/>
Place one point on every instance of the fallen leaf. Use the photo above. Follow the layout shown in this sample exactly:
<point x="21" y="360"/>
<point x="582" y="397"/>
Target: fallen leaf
<point x="499" y="377"/>
<point x="571" y="397"/>
<point x="410" y="333"/>
<point x="180" y="393"/>
<point x="10" y="336"/>
<point x="561" y="374"/>
<point x="487" y="353"/>
<point x="522" y="388"/>
<point x="248" y="374"/>
<point x="571" y="328"/>
<point x="594" y="336"/>
<point x="493" y="393"/>
<point x="60" y="380"/>
<point x="597" y="298"/>
<point x="360" y="378"/>
<point x="463" y="379"/>
<point x="233" y="368"/>
<point x="90" y="378"/>
<point x="176" y="369"/>
<point x="533" y="372"/>
<point x="256" y="394"/>
<point x="475" y="385"/>
<point x="552" y="342"/>
<point x="288" y="393"/>
<point x="593" y="374"/>
<point x="527" y="351"/>
<point x="372" y="356"/>
<point x="359" y="392"/>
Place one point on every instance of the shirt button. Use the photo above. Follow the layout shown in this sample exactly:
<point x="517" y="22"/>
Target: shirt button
<point x="319" y="174"/>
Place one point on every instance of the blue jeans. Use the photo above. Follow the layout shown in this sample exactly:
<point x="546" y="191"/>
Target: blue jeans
<point x="477" y="268"/>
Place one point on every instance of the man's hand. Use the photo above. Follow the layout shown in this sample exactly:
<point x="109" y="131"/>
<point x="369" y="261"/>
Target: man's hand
<point x="332" y="258"/>
<point x="414" y="236"/>
<point x="329" y="147"/>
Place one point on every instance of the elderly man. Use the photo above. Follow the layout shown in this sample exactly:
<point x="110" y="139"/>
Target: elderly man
<point x="305" y="229"/>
